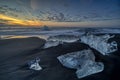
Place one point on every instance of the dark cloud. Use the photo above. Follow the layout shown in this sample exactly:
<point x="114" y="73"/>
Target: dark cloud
<point x="2" y="22"/>
<point x="57" y="17"/>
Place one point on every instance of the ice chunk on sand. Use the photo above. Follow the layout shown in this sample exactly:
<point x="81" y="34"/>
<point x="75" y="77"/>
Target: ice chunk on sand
<point x="34" y="64"/>
<point x="83" y="61"/>
<point x="76" y="59"/>
<point x="60" y="39"/>
<point x="90" y="68"/>
<point x="51" y="44"/>
<point x="100" y="43"/>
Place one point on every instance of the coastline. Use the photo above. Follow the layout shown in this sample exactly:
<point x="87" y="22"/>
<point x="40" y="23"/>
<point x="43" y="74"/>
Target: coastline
<point x="15" y="53"/>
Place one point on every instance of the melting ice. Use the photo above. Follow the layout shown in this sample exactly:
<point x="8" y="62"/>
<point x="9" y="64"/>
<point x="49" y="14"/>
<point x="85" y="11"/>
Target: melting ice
<point x="34" y="64"/>
<point x="100" y="43"/>
<point x="89" y="68"/>
<point x="83" y="61"/>
<point x="51" y="44"/>
<point x="59" y="39"/>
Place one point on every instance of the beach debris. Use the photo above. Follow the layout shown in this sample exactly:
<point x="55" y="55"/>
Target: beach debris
<point x="34" y="64"/>
<point x="83" y="61"/>
<point x="100" y="43"/>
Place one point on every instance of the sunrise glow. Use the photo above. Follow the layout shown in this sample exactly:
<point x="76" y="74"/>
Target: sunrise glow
<point x="15" y="21"/>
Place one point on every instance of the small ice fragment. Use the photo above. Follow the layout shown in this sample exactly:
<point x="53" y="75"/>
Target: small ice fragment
<point x="49" y="44"/>
<point x="34" y="64"/>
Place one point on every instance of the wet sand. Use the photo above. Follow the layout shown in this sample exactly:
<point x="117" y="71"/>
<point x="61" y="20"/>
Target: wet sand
<point x="15" y="53"/>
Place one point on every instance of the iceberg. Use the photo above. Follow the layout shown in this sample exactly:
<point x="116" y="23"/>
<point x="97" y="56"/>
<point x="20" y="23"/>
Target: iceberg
<point x="34" y="64"/>
<point x="82" y="61"/>
<point x="100" y="43"/>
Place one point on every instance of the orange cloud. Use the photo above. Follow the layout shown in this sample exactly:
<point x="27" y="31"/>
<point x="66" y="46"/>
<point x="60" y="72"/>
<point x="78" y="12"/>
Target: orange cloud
<point x="15" y="21"/>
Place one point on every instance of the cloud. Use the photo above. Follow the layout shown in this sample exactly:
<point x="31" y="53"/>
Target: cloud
<point x="54" y="11"/>
<point x="34" y="4"/>
<point x="57" y="17"/>
<point x="5" y="10"/>
<point x="14" y="21"/>
<point x="3" y="22"/>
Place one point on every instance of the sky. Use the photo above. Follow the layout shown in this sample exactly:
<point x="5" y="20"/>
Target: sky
<point x="60" y="13"/>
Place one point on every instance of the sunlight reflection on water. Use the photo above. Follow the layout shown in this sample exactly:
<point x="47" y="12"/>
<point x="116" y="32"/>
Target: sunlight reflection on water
<point x="21" y="36"/>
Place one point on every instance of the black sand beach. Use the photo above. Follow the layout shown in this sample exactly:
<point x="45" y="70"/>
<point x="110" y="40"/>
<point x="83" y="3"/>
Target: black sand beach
<point x="15" y="53"/>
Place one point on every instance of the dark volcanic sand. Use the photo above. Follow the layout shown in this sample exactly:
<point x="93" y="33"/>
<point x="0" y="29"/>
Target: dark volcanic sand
<point x="15" y="53"/>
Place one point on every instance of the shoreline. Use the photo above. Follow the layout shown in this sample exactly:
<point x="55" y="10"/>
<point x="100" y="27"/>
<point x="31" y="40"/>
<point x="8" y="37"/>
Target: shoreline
<point x="15" y="53"/>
